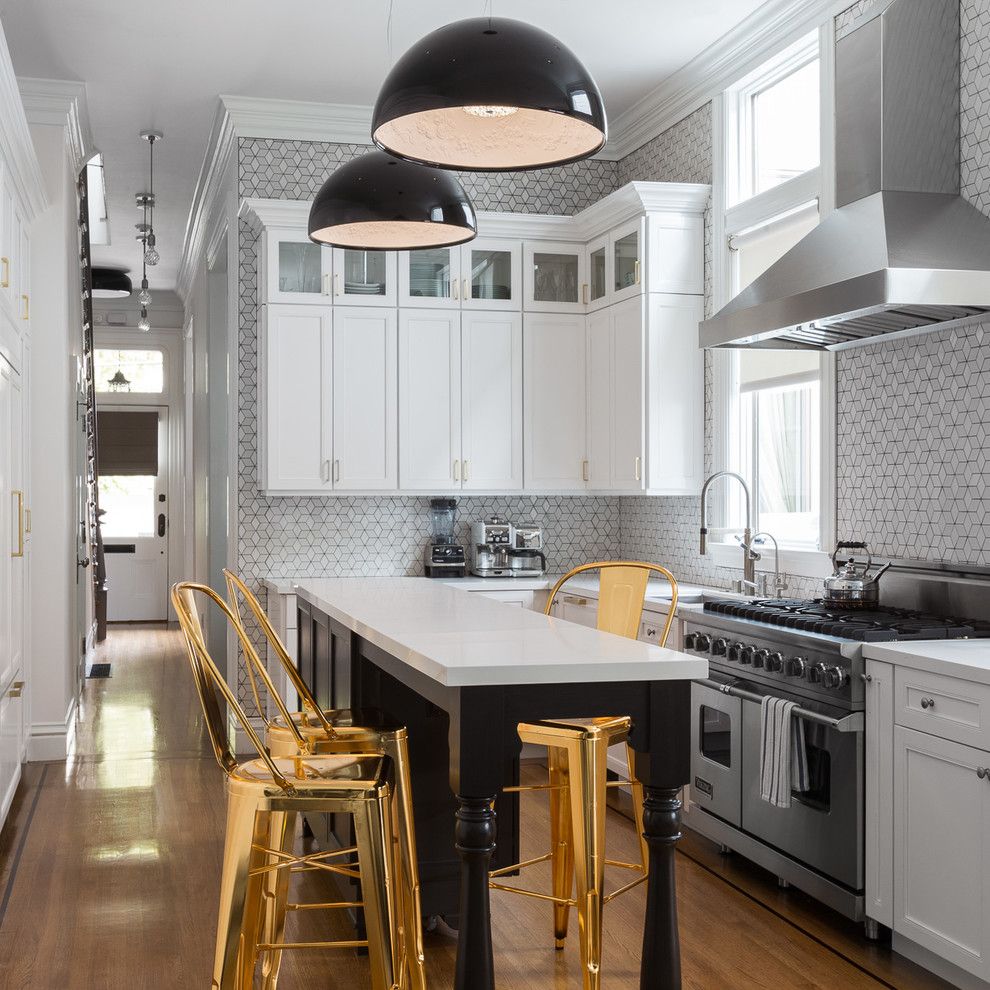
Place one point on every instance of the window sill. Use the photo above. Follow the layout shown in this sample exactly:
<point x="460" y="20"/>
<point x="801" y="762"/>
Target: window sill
<point x="802" y="563"/>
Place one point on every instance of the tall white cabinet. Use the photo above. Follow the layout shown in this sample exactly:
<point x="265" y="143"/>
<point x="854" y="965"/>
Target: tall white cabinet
<point x="550" y="354"/>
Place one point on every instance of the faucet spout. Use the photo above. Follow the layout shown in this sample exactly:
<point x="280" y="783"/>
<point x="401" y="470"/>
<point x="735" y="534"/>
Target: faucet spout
<point x="749" y="558"/>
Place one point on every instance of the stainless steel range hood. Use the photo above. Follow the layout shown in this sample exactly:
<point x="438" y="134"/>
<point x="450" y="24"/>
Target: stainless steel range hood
<point x="903" y="250"/>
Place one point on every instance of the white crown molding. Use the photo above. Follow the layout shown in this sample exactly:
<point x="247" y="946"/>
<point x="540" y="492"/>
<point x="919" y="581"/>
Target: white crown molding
<point x="295" y="120"/>
<point x="16" y="147"/>
<point x="767" y="30"/>
<point x="60" y="103"/>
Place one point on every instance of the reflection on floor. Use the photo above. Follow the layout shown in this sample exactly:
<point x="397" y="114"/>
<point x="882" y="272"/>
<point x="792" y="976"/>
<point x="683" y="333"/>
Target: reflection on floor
<point x="109" y="867"/>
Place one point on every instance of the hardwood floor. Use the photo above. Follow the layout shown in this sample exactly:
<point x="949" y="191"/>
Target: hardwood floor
<point x="109" y="868"/>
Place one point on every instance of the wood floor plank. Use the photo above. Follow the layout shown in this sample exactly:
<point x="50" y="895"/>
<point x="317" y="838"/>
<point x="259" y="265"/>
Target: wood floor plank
<point x="117" y="882"/>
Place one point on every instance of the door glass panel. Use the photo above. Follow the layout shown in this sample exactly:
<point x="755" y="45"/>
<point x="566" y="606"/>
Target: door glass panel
<point x="128" y="502"/>
<point x="818" y="793"/>
<point x="627" y="261"/>
<point x="429" y="273"/>
<point x="300" y="267"/>
<point x="555" y="277"/>
<point x="364" y="273"/>
<point x="491" y="274"/>
<point x="716" y="736"/>
<point x="598" y="287"/>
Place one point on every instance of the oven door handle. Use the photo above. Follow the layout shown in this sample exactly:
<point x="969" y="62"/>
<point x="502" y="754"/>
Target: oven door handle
<point x="854" y="722"/>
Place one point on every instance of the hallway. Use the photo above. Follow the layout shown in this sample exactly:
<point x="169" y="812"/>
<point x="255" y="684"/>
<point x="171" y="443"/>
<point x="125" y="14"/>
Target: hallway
<point x="109" y="867"/>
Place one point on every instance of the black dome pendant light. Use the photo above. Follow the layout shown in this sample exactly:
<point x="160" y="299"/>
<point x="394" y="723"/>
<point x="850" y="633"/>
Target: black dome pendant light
<point x="379" y="203"/>
<point x="110" y="283"/>
<point x="490" y="94"/>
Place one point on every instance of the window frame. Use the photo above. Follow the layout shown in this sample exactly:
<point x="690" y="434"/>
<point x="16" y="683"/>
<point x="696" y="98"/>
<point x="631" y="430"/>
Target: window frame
<point x="110" y="396"/>
<point x="814" y="186"/>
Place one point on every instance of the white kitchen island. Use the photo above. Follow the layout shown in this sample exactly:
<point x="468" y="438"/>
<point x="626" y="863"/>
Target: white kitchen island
<point x="461" y="672"/>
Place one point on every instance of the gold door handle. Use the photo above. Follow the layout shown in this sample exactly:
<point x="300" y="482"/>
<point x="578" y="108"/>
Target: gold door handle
<point x="26" y="315"/>
<point x="464" y="470"/>
<point x="584" y="470"/>
<point x="584" y="293"/>
<point x="636" y="271"/>
<point x="5" y="277"/>
<point x="20" y="525"/>
<point x="638" y="472"/>
<point x="15" y="689"/>
<point x="27" y="520"/>
<point x="571" y="600"/>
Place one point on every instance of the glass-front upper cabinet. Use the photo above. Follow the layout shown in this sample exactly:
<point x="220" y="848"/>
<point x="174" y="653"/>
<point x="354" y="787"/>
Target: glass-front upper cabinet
<point x="626" y="253"/>
<point x="555" y="276"/>
<point x="430" y="277"/>
<point x="597" y="255"/>
<point x="490" y="274"/>
<point x="296" y="270"/>
<point x="364" y="278"/>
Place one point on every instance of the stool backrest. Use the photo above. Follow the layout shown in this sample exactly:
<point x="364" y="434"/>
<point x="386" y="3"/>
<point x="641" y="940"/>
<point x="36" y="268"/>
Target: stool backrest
<point x="238" y="591"/>
<point x="622" y="588"/>
<point x="215" y="694"/>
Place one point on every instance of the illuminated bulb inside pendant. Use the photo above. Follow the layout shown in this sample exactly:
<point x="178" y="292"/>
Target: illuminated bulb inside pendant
<point x="144" y="297"/>
<point x="490" y="111"/>
<point x="144" y="324"/>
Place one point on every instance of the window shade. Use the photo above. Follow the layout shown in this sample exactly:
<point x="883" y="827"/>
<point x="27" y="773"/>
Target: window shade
<point x="128" y="442"/>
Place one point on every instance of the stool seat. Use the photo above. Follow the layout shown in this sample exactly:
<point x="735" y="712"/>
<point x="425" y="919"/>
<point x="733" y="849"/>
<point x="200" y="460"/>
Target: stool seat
<point x="596" y="726"/>
<point x="314" y="775"/>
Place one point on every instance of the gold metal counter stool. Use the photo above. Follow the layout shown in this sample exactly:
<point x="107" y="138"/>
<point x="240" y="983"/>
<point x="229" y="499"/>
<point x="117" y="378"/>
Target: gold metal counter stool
<point x="313" y="730"/>
<point x="577" y="757"/>
<point x="264" y="795"/>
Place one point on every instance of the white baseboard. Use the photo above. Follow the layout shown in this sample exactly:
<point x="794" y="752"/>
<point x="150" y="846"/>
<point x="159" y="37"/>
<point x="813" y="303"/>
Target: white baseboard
<point x="52" y="740"/>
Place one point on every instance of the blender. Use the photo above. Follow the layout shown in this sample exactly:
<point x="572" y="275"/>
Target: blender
<point x="444" y="557"/>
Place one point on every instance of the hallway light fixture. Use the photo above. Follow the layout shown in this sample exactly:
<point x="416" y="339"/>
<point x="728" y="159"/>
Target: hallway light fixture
<point x="151" y="255"/>
<point x="378" y="203"/>
<point x="110" y="283"/>
<point x="119" y="383"/>
<point x="490" y="94"/>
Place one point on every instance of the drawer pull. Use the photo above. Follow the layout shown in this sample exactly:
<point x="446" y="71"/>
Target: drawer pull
<point x="570" y="600"/>
<point x="983" y="773"/>
<point x="927" y="703"/>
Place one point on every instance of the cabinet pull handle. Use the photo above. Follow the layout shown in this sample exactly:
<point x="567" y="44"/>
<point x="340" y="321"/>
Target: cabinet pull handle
<point x="20" y="525"/>
<point x="336" y="470"/>
<point x="983" y="773"/>
<point x="571" y="600"/>
<point x="638" y="472"/>
<point x="15" y="689"/>
<point x="336" y="285"/>
<point x="584" y="470"/>
<point x="584" y="293"/>
<point x="455" y="288"/>
<point x="325" y="471"/>
<point x="466" y="291"/>
<point x="5" y="277"/>
<point x="464" y="470"/>
<point x="26" y="315"/>
<point x="457" y="470"/>
<point x="927" y="703"/>
<point x="27" y="520"/>
<point x="636" y="271"/>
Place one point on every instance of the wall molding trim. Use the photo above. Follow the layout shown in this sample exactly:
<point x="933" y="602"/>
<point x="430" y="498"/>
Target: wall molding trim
<point x="50" y="741"/>
<point x="60" y="103"/>
<point x="15" y="139"/>
<point x="297" y="120"/>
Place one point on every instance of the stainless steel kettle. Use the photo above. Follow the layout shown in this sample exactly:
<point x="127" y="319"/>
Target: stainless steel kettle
<point x="852" y="585"/>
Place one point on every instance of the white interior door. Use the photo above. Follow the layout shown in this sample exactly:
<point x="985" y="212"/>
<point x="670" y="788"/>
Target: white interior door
<point x="135" y="535"/>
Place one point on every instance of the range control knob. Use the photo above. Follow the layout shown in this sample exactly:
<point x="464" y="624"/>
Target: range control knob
<point x="704" y="643"/>
<point x="775" y="663"/>
<point x="733" y="654"/>
<point x="691" y="641"/>
<point x="746" y="654"/>
<point x="816" y="673"/>
<point x="761" y="657"/>
<point x="720" y="647"/>
<point x="796" y="667"/>
<point x="834" y="677"/>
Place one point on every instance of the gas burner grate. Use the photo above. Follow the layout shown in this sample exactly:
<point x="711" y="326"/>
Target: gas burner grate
<point x="864" y="625"/>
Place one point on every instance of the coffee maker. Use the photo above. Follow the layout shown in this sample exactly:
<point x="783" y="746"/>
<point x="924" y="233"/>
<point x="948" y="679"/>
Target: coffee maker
<point x="444" y="557"/>
<point x="504" y="550"/>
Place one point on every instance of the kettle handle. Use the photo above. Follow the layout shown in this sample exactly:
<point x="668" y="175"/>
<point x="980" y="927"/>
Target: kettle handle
<point x="852" y="545"/>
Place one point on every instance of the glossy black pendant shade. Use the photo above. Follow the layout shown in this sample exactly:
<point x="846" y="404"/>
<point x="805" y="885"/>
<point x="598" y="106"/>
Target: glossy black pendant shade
<point x="490" y="94"/>
<point x="110" y="283"/>
<point x="377" y="202"/>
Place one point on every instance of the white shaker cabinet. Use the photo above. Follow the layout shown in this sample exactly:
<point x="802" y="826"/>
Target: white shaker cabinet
<point x="365" y="436"/>
<point x="429" y="400"/>
<point x="295" y="400"/>
<point x="942" y="848"/>
<point x="628" y="425"/>
<point x="294" y="269"/>
<point x="879" y="777"/>
<point x="555" y="402"/>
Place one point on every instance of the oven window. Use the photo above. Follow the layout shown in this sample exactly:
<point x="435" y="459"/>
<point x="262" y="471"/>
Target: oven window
<point x="819" y="792"/>
<point x="716" y="736"/>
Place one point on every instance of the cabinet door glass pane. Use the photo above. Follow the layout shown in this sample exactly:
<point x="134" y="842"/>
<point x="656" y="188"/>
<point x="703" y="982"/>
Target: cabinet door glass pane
<point x="491" y="275"/>
<point x="429" y="273"/>
<point x="555" y="277"/>
<point x="598" y="287"/>
<point x="299" y="267"/>
<point x="364" y="273"/>
<point x="626" y="261"/>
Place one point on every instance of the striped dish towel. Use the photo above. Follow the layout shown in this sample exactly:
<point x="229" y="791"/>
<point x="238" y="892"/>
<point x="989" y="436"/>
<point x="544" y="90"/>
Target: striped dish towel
<point x="783" y="755"/>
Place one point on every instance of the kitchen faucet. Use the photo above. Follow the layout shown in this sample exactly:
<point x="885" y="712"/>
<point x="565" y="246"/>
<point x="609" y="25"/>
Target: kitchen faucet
<point x="779" y="585"/>
<point x="749" y="555"/>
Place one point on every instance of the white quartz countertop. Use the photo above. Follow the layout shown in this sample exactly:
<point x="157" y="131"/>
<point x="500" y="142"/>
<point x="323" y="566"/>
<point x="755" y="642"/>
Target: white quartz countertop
<point x="968" y="659"/>
<point x="462" y="640"/>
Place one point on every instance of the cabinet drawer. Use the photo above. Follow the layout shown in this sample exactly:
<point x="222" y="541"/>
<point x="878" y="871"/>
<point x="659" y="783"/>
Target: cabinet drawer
<point x="943" y="706"/>
<point x="522" y="599"/>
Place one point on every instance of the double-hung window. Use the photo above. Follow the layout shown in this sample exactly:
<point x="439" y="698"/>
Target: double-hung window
<point x="772" y="418"/>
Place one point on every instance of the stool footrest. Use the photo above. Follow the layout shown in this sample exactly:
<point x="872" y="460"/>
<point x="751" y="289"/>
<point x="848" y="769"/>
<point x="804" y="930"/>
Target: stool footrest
<point x="519" y="788"/>
<point x="569" y="901"/>
<point x="624" y="888"/>
<point x="332" y="906"/>
<point x="357" y="943"/>
<point x="519" y="866"/>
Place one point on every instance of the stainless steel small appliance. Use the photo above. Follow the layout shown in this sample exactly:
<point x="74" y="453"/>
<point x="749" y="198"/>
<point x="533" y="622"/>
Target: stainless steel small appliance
<point x="503" y="550"/>
<point x="852" y="585"/>
<point x="444" y="557"/>
<point x="809" y="652"/>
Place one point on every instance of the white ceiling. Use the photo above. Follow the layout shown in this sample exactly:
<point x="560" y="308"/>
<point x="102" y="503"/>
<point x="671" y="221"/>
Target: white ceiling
<point x="162" y="64"/>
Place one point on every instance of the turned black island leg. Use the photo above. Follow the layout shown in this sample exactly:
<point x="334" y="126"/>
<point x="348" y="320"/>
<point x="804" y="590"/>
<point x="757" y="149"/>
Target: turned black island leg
<point x="661" y="963"/>
<point x="474" y="836"/>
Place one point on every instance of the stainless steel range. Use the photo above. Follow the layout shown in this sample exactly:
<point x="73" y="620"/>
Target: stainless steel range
<point x="812" y="654"/>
